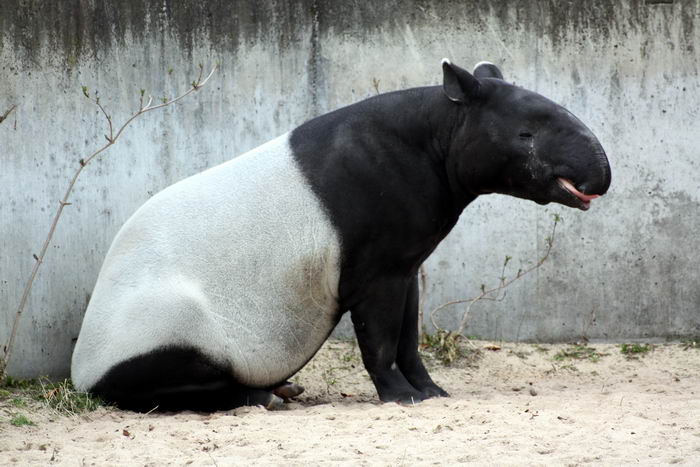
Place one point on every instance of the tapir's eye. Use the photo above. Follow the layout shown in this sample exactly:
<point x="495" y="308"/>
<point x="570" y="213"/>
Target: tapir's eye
<point x="525" y="135"/>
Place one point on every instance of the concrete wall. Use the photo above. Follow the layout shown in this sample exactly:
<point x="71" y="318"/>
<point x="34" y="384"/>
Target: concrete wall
<point x="629" y="69"/>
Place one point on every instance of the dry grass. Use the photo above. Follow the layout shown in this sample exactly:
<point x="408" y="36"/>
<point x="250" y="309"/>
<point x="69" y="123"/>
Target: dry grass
<point x="60" y="397"/>
<point x="448" y="348"/>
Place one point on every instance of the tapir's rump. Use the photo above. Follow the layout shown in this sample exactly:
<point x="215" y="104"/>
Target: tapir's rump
<point x="186" y="271"/>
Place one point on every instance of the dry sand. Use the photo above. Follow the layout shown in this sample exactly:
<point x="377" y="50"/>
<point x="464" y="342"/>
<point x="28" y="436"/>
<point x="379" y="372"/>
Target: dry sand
<point x="516" y="405"/>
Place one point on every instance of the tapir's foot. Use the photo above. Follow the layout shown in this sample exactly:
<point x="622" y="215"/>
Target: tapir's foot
<point x="288" y="390"/>
<point x="275" y="403"/>
<point x="433" y="390"/>
<point x="426" y="391"/>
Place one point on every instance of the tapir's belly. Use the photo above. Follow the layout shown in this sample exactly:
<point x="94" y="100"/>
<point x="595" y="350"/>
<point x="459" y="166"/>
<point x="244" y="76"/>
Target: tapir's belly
<point x="239" y="262"/>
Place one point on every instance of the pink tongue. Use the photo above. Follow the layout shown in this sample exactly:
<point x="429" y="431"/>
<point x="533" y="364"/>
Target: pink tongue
<point x="583" y="197"/>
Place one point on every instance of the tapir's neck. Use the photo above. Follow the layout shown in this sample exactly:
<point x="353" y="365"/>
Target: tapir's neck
<point x="425" y="121"/>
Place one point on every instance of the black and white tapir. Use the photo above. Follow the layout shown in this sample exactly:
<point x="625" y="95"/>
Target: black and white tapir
<point x="225" y="284"/>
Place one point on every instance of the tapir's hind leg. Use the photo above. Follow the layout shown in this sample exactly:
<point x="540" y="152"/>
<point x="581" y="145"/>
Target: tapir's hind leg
<point x="175" y="378"/>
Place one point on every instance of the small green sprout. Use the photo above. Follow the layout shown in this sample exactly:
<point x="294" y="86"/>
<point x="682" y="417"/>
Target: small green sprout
<point x="635" y="350"/>
<point x="21" y="420"/>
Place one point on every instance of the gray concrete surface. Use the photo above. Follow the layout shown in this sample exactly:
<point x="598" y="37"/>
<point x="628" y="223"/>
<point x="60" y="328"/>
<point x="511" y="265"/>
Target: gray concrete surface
<point x="626" y="269"/>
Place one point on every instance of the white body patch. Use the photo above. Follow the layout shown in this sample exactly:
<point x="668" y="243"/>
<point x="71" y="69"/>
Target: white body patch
<point x="239" y="262"/>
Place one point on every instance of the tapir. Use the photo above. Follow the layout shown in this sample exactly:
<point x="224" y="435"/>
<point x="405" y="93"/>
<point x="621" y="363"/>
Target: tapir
<point x="222" y="286"/>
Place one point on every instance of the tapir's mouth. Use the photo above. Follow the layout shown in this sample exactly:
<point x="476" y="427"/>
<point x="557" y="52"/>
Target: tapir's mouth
<point x="583" y="200"/>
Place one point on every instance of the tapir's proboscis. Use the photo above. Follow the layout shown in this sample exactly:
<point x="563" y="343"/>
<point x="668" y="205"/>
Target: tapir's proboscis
<point x="225" y="284"/>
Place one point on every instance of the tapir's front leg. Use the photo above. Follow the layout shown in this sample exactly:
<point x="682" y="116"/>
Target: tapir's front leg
<point x="407" y="358"/>
<point x="377" y="321"/>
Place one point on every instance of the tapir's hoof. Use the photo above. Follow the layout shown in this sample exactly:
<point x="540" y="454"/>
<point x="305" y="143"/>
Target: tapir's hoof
<point x="288" y="390"/>
<point x="275" y="403"/>
<point x="434" y="391"/>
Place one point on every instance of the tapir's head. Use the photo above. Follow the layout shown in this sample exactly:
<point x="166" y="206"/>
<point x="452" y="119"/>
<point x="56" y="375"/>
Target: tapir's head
<point x="517" y="142"/>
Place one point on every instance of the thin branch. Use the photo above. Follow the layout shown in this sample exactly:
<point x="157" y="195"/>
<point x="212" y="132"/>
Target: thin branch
<point x="7" y="114"/>
<point x="109" y="120"/>
<point x="493" y="293"/>
<point x="195" y="87"/>
<point x="39" y="259"/>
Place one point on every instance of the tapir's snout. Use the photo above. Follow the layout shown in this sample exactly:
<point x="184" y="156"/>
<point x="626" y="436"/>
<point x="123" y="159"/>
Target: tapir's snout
<point x="597" y="185"/>
<point x="589" y="182"/>
<point x="580" y="171"/>
<point x="580" y="164"/>
<point x="594" y="169"/>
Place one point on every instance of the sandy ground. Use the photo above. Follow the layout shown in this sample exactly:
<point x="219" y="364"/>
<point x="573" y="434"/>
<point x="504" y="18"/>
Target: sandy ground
<point x="516" y="405"/>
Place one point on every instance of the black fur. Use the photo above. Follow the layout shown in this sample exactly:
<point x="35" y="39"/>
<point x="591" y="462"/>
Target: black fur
<point x="173" y="379"/>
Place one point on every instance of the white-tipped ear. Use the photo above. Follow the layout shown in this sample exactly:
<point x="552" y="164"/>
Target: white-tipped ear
<point x="458" y="84"/>
<point x="483" y="62"/>
<point x="487" y="70"/>
<point x="445" y="61"/>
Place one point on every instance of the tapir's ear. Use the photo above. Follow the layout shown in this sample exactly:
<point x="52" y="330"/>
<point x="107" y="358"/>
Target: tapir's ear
<point x="487" y="70"/>
<point x="459" y="85"/>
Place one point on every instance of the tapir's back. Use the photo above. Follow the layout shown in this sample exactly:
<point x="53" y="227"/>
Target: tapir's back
<point x="239" y="262"/>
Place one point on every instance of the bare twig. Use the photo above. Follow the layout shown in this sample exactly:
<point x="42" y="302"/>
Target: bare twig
<point x="111" y="139"/>
<point x="375" y="85"/>
<point x="494" y="293"/>
<point x="7" y="114"/>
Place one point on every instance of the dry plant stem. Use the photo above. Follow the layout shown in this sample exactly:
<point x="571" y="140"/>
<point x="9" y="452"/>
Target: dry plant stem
<point x="488" y="294"/>
<point x="4" y="116"/>
<point x="111" y="139"/>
